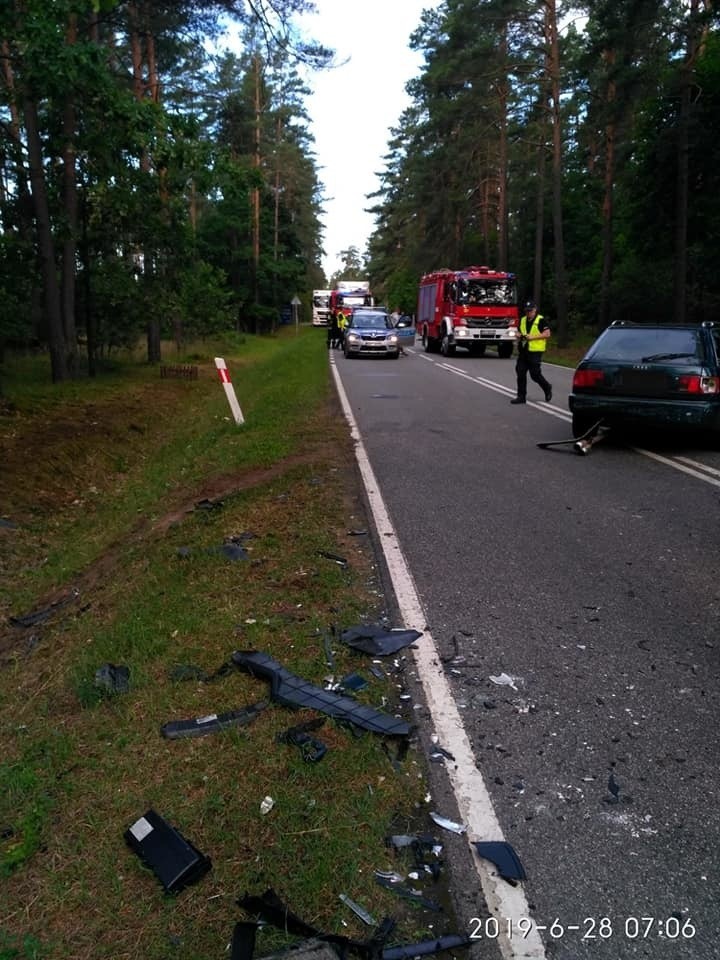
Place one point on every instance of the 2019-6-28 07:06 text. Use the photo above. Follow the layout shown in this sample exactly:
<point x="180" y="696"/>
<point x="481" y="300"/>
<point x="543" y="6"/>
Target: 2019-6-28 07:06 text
<point x="589" y="928"/>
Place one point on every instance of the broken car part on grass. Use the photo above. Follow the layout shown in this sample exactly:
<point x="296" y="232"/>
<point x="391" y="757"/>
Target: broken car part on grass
<point x="311" y="748"/>
<point x="213" y="722"/>
<point x="376" y="641"/>
<point x="173" y="859"/>
<point x="43" y="615"/>
<point x="113" y="678"/>
<point x="292" y="691"/>
<point x="271" y="909"/>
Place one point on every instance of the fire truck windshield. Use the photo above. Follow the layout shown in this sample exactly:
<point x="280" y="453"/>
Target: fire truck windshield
<point x="484" y="292"/>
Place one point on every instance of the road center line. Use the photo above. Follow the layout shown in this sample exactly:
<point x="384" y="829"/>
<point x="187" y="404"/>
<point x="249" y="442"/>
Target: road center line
<point x="683" y="464"/>
<point x="507" y="903"/>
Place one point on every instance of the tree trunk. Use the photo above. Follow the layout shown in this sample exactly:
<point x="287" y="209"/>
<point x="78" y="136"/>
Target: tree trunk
<point x="607" y="207"/>
<point x="502" y="253"/>
<point x="682" y="181"/>
<point x="255" y="198"/>
<point x="46" y="244"/>
<point x="70" y="203"/>
<point x="558" y="242"/>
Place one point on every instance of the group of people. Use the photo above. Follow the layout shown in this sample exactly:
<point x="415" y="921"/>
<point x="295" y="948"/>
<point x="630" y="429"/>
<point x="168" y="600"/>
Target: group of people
<point x="534" y="333"/>
<point x="336" y="330"/>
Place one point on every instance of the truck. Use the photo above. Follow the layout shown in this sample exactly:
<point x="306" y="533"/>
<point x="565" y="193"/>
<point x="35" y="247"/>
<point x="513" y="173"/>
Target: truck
<point x="349" y="294"/>
<point x="473" y="308"/>
<point x="321" y="308"/>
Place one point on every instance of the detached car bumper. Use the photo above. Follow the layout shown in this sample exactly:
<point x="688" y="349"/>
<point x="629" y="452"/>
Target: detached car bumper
<point x="633" y="411"/>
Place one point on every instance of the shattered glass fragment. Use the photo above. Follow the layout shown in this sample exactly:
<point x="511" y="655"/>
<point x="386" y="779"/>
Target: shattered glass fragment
<point x="448" y="824"/>
<point x="358" y="910"/>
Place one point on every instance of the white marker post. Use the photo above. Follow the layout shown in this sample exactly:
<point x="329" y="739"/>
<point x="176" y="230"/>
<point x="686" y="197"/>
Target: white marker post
<point x="229" y="390"/>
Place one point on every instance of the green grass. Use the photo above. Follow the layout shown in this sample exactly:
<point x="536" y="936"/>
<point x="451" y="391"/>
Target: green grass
<point x="107" y="506"/>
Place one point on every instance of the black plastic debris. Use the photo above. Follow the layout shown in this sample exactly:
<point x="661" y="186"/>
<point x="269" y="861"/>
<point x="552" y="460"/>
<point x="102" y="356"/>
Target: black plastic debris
<point x="173" y="859"/>
<point x="113" y="678"/>
<point x="232" y="548"/>
<point x="311" y="748"/>
<point x="8" y="524"/>
<point x="377" y="641"/>
<point x="242" y="946"/>
<point x="293" y="691"/>
<point x="503" y="856"/>
<point x="212" y="723"/>
<point x="426" y="947"/>
<point x="408" y="894"/>
<point x="340" y="561"/>
<point x="182" y="672"/>
<point x="207" y="504"/>
<point x="354" y="682"/>
<point x="41" y="616"/>
<point x="357" y="533"/>
<point x="270" y="908"/>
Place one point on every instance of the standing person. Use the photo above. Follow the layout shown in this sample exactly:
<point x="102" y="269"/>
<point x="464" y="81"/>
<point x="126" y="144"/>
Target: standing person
<point x="395" y="317"/>
<point x="534" y="333"/>
<point x="342" y="322"/>
<point x="333" y="334"/>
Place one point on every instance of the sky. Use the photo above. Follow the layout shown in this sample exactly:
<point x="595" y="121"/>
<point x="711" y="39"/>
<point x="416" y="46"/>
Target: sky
<point x="353" y="107"/>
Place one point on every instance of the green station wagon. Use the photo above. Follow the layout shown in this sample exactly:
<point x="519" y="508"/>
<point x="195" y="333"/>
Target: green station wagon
<point x="639" y="375"/>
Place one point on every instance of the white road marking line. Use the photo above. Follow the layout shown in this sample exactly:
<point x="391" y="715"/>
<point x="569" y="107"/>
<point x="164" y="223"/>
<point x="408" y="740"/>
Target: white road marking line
<point x="700" y="466"/>
<point x="677" y="462"/>
<point x="508" y="904"/>
<point x="678" y="466"/>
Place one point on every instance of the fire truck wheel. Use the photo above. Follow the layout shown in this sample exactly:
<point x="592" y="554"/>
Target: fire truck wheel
<point x="447" y="349"/>
<point x="477" y="349"/>
<point x="505" y="350"/>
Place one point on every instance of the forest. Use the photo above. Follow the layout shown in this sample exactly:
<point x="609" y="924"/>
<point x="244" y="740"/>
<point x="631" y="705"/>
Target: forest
<point x="156" y="186"/>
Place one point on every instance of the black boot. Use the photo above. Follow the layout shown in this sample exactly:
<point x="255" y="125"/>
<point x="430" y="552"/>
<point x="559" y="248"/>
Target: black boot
<point x="518" y="400"/>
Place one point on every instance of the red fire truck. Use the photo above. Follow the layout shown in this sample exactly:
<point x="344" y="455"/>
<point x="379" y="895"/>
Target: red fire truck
<point x="349" y="294"/>
<point x="470" y="308"/>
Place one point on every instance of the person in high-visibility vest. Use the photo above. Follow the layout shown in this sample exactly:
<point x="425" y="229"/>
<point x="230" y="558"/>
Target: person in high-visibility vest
<point x="534" y="332"/>
<point x="342" y="322"/>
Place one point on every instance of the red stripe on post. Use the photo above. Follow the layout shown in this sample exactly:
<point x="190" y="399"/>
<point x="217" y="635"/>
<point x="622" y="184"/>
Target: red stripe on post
<point x="224" y="375"/>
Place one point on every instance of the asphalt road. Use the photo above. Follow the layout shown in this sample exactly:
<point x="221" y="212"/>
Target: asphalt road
<point x="593" y="582"/>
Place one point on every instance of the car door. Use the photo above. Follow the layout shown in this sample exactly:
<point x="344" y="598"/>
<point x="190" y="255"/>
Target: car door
<point x="405" y="329"/>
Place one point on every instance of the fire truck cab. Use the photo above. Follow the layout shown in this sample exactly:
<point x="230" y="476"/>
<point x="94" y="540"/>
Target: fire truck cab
<point x="471" y="308"/>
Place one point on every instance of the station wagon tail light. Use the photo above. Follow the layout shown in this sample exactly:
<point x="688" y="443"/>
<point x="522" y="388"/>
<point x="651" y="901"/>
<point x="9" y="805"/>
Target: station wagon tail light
<point x="588" y="378"/>
<point x="690" y="383"/>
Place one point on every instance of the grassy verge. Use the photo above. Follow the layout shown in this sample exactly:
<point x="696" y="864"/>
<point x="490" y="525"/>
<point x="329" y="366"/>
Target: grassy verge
<point x="123" y="490"/>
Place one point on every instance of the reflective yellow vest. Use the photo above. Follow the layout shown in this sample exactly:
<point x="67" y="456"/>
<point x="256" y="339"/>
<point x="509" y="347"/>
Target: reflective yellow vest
<point x="341" y="320"/>
<point x="537" y="346"/>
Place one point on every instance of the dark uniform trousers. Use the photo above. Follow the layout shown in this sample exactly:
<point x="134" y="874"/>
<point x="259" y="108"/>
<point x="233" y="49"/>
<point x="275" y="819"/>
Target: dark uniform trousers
<point x="530" y="362"/>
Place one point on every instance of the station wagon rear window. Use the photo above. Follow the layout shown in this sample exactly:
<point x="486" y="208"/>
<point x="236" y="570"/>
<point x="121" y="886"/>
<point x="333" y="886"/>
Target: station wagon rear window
<point x="653" y="345"/>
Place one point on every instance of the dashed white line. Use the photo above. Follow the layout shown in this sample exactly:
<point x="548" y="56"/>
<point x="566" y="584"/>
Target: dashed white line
<point x="692" y="468"/>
